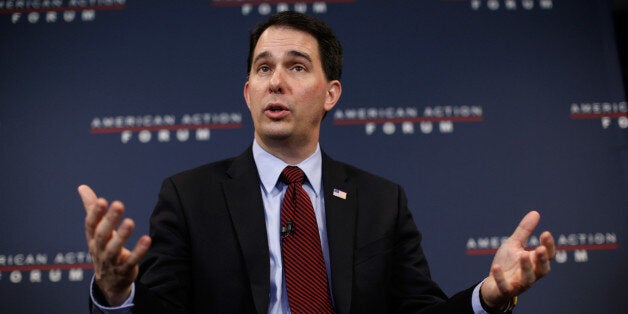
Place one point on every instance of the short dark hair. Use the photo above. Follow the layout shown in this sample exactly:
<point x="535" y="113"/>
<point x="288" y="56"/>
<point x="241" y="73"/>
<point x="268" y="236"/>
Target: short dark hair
<point x="329" y="46"/>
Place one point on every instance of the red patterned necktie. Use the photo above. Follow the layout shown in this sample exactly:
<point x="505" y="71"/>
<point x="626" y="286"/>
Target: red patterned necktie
<point x="303" y="263"/>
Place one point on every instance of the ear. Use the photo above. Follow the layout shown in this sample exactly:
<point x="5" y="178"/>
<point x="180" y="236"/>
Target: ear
<point x="246" y="94"/>
<point x="333" y="94"/>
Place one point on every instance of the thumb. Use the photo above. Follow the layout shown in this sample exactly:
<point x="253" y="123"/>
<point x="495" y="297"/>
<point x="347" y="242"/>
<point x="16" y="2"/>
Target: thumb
<point x="526" y="227"/>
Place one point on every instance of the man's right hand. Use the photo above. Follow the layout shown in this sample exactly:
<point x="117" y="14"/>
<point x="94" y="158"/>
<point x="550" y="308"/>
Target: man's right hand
<point x="115" y="267"/>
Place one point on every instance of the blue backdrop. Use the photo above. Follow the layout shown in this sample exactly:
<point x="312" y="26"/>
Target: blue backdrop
<point x="501" y="106"/>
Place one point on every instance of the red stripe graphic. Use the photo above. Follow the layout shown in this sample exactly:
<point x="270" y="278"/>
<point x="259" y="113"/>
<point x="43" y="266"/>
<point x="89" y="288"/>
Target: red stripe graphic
<point x="62" y="9"/>
<point x="46" y="267"/>
<point x="580" y="116"/>
<point x="229" y="3"/>
<point x="167" y="127"/>
<point x="401" y="120"/>
<point x="590" y="247"/>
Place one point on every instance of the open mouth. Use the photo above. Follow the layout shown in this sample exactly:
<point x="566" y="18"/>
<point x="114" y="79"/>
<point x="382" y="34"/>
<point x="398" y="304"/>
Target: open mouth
<point x="276" y="108"/>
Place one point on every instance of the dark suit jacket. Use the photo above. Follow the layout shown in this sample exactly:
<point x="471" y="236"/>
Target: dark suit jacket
<point x="210" y="251"/>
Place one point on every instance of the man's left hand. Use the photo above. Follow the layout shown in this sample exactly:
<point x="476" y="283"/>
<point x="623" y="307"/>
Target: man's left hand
<point x="515" y="269"/>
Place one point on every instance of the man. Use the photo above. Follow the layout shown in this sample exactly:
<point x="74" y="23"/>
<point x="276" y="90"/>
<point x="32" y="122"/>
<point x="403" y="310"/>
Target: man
<point x="219" y="242"/>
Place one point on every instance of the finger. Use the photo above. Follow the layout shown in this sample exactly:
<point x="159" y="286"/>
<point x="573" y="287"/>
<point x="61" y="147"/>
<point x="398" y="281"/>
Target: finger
<point x="500" y="280"/>
<point x="527" y="271"/>
<point x="526" y="227"/>
<point x="542" y="262"/>
<point x="118" y="239"/>
<point x="140" y="249"/>
<point x="87" y="195"/>
<point x="104" y="229"/>
<point x="94" y="208"/>
<point x="94" y="214"/>
<point x="89" y="198"/>
<point x="547" y="240"/>
<point x="91" y="221"/>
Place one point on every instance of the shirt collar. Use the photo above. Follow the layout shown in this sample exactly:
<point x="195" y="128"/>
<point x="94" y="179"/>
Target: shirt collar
<point x="270" y="167"/>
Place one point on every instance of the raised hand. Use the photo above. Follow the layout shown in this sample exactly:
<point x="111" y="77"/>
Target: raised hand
<point x="514" y="269"/>
<point x="115" y="267"/>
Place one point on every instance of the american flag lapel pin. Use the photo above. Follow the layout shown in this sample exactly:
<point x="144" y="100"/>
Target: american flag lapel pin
<point x="340" y="194"/>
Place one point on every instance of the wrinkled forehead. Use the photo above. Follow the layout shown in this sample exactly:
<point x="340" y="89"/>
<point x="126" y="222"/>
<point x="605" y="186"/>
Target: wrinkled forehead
<point x="283" y="40"/>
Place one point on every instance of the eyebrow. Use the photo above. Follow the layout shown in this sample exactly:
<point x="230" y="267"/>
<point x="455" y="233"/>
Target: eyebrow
<point x="300" y="54"/>
<point x="293" y="53"/>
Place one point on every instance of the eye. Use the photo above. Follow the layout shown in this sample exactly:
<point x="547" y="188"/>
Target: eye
<point x="263" y="69"/>
<point x="299" y="68"/>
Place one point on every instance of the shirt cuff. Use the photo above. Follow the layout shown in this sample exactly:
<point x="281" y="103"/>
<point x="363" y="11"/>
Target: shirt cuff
<point x="475" y="300"/>
<point x="122" y="309"/>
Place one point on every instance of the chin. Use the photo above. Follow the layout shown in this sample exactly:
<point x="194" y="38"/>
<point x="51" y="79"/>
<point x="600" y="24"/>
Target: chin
<point x="275" y="132"/>
<point x="275" y="135"/>
<point x="278" y="137"/>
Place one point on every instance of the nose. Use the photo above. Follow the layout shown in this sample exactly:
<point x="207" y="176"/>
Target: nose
<point x="275" y="85"/>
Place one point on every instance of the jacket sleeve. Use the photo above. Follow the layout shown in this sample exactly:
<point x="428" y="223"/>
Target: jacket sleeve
<point x="164" y="281"/>
<point x="412" y="288"/>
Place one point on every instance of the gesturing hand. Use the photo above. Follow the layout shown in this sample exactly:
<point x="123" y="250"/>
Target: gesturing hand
<point x="115" y="267"/>
<point x="514" y="269"/>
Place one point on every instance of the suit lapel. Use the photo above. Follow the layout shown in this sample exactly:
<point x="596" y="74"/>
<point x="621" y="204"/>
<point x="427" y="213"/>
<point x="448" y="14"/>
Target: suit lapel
<point x="244" y="201"/>
<point x="340" y="215"/>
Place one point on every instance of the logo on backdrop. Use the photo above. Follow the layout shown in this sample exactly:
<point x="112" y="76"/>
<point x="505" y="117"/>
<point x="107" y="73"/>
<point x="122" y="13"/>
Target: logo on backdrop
<point x="165" y="128"/>
<point x="407" y="120"/>
<point x="56" y="11"/>
<point x="250" y="7"/>
<point x="507" y="5"/>
<point x="610" y="114"/>
<point x="42" y="267"/>
<point x="569" y="246"/>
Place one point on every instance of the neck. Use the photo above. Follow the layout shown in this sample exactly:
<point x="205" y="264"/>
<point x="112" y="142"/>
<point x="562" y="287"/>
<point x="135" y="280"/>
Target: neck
<point x="289" y="152"/>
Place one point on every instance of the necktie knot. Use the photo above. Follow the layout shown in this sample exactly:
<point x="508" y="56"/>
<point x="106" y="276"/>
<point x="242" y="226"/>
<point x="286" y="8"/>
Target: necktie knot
<point x="292" y="174"/>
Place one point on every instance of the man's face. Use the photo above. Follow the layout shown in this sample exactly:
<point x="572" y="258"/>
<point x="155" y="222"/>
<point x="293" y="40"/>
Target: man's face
<point x="287" y="92"/>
